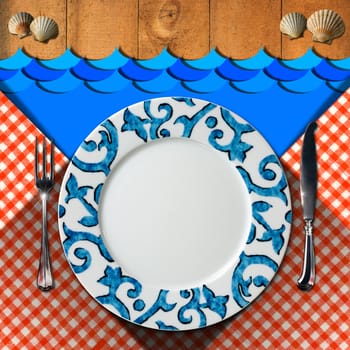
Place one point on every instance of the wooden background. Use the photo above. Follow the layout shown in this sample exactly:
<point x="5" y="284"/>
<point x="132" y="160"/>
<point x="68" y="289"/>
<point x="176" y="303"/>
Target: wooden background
<point x="189" y="28"/>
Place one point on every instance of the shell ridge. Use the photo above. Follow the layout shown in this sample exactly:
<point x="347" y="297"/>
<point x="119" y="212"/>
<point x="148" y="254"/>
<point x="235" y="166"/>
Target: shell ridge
<point x="293" y="24"/>
<point x="19" y="24"/>
<point x="44" y="28"/>
<point x="325" y="25"/>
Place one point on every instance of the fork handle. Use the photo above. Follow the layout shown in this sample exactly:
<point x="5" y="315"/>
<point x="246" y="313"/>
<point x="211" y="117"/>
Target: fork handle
<point x="308" y="275"/>
<point x="44" y="279"/>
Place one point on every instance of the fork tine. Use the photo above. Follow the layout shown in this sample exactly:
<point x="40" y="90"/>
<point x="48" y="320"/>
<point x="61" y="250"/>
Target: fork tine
<point x="44" y="158"/>
<point x="44" y="185"/>
<point x="52" y="161"/>
<point x="36" y="155"/>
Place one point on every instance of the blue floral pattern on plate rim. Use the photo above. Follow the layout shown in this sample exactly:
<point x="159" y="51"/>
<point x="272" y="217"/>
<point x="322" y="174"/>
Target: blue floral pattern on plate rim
<point x="200" y="305"/>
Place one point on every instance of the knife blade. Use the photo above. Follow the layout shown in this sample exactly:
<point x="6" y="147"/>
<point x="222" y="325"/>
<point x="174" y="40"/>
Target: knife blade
<point x="308" y="190"/>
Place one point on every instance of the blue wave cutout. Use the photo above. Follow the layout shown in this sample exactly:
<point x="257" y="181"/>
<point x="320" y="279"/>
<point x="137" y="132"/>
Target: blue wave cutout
<point x="17" y="83"/>
<point x="342" y="64"/>
<point x="15" y="62"/>
<point x="163" y="61"/>
<point x="111" y="62"/>
<point x="164" y="72"/>
<point x="162" y="83"/>
<point x="277" y="71"/>
<point x="259" y="83"/>
<point x="309" y="60"/>
<point x="229" y="71"/>
<point x="210" y="83"/>
<point x="115" y="82"/>
<point x="306" y="84"/>
<point x="65" y="61"/>
<point x="208" y="62"/>
<point x="133" y="71"/>
<point x="181" y="71"/>
<point x="259" y="61"/>
<point x="326" y="71"/>
<point x="88" y="73"/>
<point x="65" y="83"/>
<point x="35" y="71"/>
<point x="7" y="74"/>
<point x="258" y="88"/>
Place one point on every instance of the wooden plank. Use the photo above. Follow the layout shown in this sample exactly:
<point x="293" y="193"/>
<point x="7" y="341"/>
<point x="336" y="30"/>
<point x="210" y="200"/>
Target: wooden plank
<point x="240" y="28"/>
<point x="9" y="43"/>
<point x="180" y="25"/>
<point x="340" y="47"/>
<point x="142" y="28"/>
<point x="96" y="28"/>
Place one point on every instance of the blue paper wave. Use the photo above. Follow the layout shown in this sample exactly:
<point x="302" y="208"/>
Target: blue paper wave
<point x="210" y="61"/>
<point x="86" y="72"/>
<point x="66" y="83"/>
<point x="181" y="71"/>
<point x="132" y="71"/>
<point x="18" y="82"/>
<point x="161" y="83"/>
<point x="229" y="71"/>
<point x="66" y="61"/>
<point x="326" y="71"/>
<point x="342" y="64"/>
<point x="339" y="86"/>
<point x="35" y="71"/>
<point x="259" y="83"/>
<point x="7" y="74"/>
<point x="15" y="62"/>
<point x="210" y="83"/>
<point x="277" y="71"/>
<point x="115" y="82"/>
<point x="259" y="61"/>
<point x="111" y="62"/>
<point x="306" y="61"/>
<point x="163" y="61"/>
<point x="165" y="71"/>
<point x="307" y="83"/>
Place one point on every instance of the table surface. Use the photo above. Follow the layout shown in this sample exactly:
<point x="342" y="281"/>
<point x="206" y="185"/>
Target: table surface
<point x="142" y="28"/>
<point x="67" y="317"/>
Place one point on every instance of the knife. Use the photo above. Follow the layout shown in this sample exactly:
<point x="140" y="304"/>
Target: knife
<point x="308" y="190"/>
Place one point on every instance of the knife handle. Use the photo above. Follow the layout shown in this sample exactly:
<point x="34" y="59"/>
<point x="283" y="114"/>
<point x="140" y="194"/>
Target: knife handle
<point x="307" y="279"/>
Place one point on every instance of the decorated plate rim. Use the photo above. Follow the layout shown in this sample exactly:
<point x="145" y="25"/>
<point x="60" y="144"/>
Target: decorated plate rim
<point x="123" y="294"/>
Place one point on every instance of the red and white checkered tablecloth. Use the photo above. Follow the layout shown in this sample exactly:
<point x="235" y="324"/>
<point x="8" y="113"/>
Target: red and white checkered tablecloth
<point x="67" y="317"/>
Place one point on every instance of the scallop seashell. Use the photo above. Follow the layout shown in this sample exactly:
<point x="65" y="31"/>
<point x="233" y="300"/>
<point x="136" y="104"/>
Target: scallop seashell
<point x="325" y="25"/>
<point x="44" y="28"/>
<point x="293" y="24"/>
<point x="19" y="24"/>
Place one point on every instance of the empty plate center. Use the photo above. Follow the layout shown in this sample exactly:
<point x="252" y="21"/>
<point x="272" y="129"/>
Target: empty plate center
<point x="175" y="213"/>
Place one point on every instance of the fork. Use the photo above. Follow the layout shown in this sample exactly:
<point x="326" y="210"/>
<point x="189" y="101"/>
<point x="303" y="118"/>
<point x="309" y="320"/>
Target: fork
<point x="44" y="183"/>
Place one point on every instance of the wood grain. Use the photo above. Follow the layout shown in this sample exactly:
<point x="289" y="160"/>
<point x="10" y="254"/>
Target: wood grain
<point x="9" y="44"/>
<point x="96" y="28"/>
<point x="340" y="47"/>
<point x="240" y="28"/>
<point x="180" y="25"/>
<point x="188" y="28"/>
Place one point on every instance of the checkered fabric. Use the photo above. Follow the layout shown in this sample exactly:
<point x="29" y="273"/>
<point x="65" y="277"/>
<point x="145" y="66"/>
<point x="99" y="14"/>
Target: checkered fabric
<point x="67" y="317"/>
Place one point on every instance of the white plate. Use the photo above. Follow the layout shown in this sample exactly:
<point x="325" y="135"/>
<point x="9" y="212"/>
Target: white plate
<point x="174" y="213"/>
